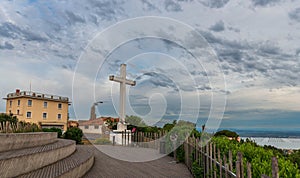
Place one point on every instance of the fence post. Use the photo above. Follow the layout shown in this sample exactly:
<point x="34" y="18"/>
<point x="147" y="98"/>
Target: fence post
<point x="197" y="150"/>
<point x="249" y="173"/>
<point x="128" y="134"/>
<point x="238" y="169"/>
<point x="207" y="160"/>
<point x="122" y="137"/>
<point x="230" y="160"/>
<point x="215" y="161"/>
<point x="221" y="165"/>
<point x="239" y="165"/>
<point x="226" y="170"/>
<point x="125" y="137"/>
<point x="275" y="173"/>
<point x="210" y="157"/>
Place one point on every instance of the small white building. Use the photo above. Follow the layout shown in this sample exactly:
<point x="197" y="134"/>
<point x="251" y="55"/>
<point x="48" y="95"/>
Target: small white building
<point x="91" y="126"/>
<point x="95" y="128"/>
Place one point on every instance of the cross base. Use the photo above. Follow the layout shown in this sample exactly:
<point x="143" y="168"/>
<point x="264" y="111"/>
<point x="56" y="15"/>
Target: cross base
<point x="121" y="126"/>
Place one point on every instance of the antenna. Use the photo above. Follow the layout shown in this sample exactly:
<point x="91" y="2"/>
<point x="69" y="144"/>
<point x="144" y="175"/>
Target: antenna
<point x="30" y="86"/>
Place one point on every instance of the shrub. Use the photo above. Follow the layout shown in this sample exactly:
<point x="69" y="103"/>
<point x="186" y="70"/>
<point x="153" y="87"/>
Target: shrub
<point x="53" y="129"/>
<point x="197" y="170"/>
<point x="75" y="134"/>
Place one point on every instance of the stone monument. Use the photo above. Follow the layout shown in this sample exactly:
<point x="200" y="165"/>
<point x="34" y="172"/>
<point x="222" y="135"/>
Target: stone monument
<point x="122" y="126"/>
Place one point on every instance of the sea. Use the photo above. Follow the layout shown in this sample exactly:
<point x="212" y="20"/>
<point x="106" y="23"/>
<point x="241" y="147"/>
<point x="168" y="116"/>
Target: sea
<point x="282" y="139"/>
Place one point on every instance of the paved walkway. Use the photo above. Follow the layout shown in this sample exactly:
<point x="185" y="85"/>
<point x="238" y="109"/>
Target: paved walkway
<point x="106" y="166"/>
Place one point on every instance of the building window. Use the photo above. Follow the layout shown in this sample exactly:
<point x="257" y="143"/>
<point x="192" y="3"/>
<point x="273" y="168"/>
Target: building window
<point x="9" y="112"/>
<point x="45" y="104"/>
<point x="44" y="115"/>
<point x="29" y="102"/>
<point x="59" y="106"/>
<point x="19" y="102"/>
<point x="10" y="103"/>
<point x="96" y="126"/>
<point x="59" y="116"/>
<point x="28" y="115"/>
<point x="86" y="127"/>
<point x="18" y="112"/>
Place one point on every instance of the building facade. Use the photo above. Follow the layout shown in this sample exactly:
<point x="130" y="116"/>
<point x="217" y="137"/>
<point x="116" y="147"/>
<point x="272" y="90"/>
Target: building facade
<point x="43" y="109"/>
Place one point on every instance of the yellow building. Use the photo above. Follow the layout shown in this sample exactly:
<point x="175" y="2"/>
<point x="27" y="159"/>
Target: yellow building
<point x="43" y="109"/>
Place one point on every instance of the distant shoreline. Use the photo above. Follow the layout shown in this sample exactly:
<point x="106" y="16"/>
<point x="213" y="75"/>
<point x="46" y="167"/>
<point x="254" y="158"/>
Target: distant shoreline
<point x="263" y="133"/>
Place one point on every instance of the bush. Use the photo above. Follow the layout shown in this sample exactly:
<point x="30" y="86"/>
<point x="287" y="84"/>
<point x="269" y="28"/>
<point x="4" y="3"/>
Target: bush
<point x="197" y="170"/>
<point x="53" y="129"/>
<point x="75" y="134"/>
<point x="180" y="154"/>
<point x="102" y="141"/>
<point x="227" y="133"/>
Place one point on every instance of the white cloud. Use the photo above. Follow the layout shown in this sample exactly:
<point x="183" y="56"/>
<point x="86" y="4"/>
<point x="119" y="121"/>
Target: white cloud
<point x="42" y="42"/>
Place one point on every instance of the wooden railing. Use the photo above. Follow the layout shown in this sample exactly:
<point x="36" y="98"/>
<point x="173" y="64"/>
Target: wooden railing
<point x="209" y="158"/>
<point x="206" y="155"/>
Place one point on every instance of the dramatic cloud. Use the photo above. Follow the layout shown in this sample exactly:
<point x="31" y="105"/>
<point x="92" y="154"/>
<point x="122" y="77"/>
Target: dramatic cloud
<point x="6" y="45"/>
<point x="218" y="27"/>
<point x="214" y="3"/>
<point x="264" y="2"/>
<point x="295" y="14"/>
<point x="42" y="42"/>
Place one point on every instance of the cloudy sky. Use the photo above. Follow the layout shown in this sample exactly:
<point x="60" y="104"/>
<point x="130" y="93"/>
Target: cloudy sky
<point x="232" y="62"/>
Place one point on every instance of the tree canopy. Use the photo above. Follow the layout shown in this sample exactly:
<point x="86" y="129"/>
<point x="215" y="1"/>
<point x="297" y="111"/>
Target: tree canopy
<point x="135" y="120"/>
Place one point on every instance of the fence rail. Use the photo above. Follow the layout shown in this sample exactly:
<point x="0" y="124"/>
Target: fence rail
<point x="214" y="165"/>
<point x="206" y="155"/>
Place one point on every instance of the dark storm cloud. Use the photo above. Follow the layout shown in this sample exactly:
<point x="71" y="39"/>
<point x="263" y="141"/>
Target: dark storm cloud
<point x="214" y="3"/>
<point x="298" y="52"/>
<point x="6" y="45"/>
<point x="74" y="18"/>
<point x="269" y="49"/>
<point x="264" y="59"/>
<point x="12" y="31"/>
<point x="171" y="5"/>
<point x="295" y="14"/>
<point x="148" y="5"/>
<point x="234" y="55"/>
<point x="212" y="39"/>
<point x="158" y="80"/>
<point x="218" y="27"/>
<point x="106" y="10"/>
<point x="204" y="87"/>
<point x="264" y="2"/>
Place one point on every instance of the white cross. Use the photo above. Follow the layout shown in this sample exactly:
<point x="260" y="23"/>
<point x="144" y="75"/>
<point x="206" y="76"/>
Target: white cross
<point x="123" y="81"/>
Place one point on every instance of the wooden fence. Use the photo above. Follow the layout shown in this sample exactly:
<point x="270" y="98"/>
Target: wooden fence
<point x="206" y="155"/>
<point x="214" y="165"/>
<point x="142" y="139"/>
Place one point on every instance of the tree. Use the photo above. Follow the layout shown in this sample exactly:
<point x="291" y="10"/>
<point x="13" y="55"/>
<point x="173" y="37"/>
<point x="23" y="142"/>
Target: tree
<point x="8" y="122"/>
<point x="53" y="129"/>
<point x="74" y="133"/>
<point x="135" y="120"/>
<point x="227" y="133"/>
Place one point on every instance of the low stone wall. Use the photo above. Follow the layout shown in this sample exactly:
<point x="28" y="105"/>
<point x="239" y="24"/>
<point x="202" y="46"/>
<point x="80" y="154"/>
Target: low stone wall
<point x="26" y="162"/>
<point x="12" y="141"/>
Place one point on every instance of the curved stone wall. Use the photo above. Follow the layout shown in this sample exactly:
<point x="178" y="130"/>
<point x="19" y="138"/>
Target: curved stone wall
<point x="13" y="141"/>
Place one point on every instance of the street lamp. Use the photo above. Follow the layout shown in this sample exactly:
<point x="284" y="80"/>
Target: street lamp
<point x="93" y="112"/>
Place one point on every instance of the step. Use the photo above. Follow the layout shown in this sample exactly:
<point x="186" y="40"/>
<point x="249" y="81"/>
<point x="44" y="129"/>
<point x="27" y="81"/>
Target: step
<point x="17" y="162"/>
<point x="13" y="141"/>
<point x="76" y="165"/>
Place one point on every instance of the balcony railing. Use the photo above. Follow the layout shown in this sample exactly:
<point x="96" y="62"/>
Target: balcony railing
<point x="38" y="95"/>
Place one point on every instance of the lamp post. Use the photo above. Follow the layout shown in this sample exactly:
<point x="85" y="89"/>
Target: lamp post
<point x="93" y="112"/>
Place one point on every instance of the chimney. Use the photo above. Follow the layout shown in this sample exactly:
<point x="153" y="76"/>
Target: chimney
<point x="18" y="91"/>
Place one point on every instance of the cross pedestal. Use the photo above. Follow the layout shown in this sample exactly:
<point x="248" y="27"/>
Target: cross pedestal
<point x="122" y="126"/>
